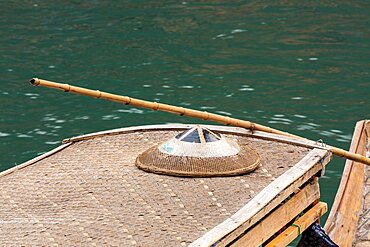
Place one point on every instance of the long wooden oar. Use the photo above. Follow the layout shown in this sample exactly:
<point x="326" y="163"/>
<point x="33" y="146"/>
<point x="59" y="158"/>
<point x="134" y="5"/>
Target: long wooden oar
<point x="185" y="112"/>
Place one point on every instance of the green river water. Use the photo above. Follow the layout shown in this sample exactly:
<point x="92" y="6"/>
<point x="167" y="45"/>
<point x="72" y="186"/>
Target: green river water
<point x="298" y="66"/>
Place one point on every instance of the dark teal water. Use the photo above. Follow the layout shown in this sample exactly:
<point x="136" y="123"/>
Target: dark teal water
<point x="296" y="66"/>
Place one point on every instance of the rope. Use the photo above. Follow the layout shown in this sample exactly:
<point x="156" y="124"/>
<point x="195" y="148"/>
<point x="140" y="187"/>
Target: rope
<point x="253" y="127"/>
<point x="299" y="228"/>
<point x="321" y="142"/>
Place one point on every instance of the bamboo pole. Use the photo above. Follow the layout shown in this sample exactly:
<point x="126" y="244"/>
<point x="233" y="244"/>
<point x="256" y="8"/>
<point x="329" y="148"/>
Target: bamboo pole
<point x="185" y="112"/>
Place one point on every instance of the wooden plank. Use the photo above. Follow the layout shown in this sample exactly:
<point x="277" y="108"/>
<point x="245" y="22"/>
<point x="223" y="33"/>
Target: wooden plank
<point x="300" y="225"/>
<point x="281" y="216"/>
<point x="342" y="222"/>
<point x="268" y="199"/>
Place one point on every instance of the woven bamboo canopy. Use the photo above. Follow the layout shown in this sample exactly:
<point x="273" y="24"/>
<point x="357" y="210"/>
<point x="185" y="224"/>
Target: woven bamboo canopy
<point x="186" y="112"/>
<point x="199" y="152"/>
<point x="89" y="192"/>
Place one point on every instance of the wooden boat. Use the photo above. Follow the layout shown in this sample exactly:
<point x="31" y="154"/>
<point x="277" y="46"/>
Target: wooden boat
<point x="88" y="191"/>
<point x="167" y="185"/>
<point x="348" y="223"/>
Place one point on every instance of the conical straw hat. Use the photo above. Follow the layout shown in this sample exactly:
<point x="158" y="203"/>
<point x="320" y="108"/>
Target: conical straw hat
<point x="199" y="152"/>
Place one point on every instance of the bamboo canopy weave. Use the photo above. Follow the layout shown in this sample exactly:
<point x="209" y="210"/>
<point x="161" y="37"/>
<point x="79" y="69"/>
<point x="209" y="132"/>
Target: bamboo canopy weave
<point x="186" y="112"/>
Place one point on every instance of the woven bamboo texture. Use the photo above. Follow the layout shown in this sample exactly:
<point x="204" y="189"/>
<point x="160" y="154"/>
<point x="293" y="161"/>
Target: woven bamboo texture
<point x="92" y="194"/>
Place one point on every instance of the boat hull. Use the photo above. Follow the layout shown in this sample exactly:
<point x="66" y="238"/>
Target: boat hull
<point x="349" y="219"/>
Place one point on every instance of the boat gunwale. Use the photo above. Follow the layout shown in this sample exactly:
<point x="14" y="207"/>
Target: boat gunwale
<point x="223" y="129"/>
<point x="352" y="172"/>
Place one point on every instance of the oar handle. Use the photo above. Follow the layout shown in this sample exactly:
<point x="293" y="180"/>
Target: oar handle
<point x="184" y="112"/>
<point x="351" y="156"/>
<point x="158" y="106"/>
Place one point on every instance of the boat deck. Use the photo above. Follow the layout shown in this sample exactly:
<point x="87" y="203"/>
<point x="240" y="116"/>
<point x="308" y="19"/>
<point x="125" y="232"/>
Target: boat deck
<point x="89" y="192"/>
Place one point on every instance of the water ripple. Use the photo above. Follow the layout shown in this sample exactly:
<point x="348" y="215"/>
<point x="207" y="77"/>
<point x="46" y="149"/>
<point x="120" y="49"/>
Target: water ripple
<point x="110" y="117"/>
<point x="246" y="89"/>
<point x="2" y="134"/>
<point x="32" y="95"/>
<point x="305" y="127"/>
<point x="131" y="110"/>
<point x="224" y="113"/>
<point x="238" y="31"/>
<point x="207" y="107"/>
<point x="187" y="87"/>
<point x="20" y="135"/>
<point x="278" y="122"/>
<point x="82" y="118"/>
<point x="52" y="142"/>
<point x="280" y="119"/>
